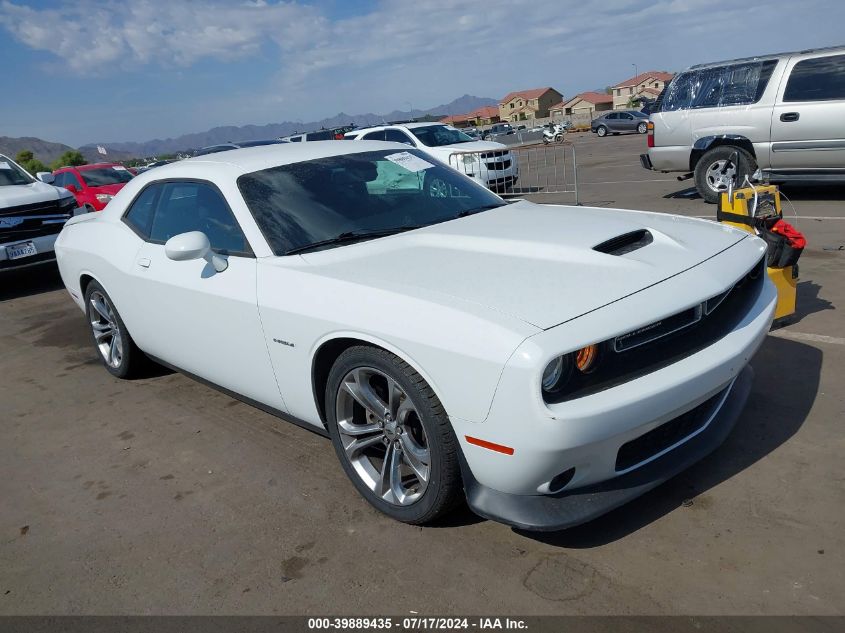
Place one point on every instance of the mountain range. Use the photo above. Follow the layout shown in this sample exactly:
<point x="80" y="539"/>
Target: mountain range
<point x="47" y="151"/>
<point x="234" y="134"/>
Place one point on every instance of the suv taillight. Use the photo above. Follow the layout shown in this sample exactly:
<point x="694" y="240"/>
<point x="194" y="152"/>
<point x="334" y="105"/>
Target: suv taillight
<point x="650" y="134"/>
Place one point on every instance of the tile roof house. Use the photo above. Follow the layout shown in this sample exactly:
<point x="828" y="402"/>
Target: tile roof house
<point x="624" y="92"/>
<point x="585" y="103"/>
<point x="528" y="104"/>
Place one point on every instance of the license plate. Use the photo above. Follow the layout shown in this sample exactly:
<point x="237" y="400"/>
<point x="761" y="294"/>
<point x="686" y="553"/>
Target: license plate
<point x="24" y="249"/>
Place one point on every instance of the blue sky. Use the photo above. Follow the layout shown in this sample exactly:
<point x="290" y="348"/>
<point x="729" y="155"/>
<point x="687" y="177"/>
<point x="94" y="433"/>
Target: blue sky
<point x="100" y="71"/>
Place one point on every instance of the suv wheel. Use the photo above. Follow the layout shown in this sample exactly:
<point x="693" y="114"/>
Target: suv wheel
<point x="716" y="170"/>
<point x="601" y="130"/>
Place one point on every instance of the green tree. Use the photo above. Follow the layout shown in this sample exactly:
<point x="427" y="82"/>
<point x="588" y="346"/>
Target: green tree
<point x="26" y="159"/>
<point x="24" y="156"/>
<point x="70" y="158"/>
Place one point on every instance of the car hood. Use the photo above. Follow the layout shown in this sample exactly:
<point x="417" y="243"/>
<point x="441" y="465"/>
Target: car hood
<point x="33" y="193"/>
<point x="474" y="146"/>
<point x="533" y="262"/>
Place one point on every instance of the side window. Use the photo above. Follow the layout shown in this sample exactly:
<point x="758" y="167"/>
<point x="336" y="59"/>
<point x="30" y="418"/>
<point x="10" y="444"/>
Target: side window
<point x="196" y="206"/>
<point x="612" y="116"/>
<point x="626" y="116"/>
<point x="374" y="136"/>
<point x="140" y="214"/>
<point x="820" y="79"/>
<point x="397" y="136"/>
<point x="60" y="180"/>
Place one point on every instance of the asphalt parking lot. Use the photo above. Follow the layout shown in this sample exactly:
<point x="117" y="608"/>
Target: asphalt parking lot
<point x="163" y="496"/>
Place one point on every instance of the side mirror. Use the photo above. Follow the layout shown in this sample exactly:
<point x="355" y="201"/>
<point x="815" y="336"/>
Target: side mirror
<point x="46" y="176"/>
<point x="193" y="245"/>
<point x="72" y="188"/>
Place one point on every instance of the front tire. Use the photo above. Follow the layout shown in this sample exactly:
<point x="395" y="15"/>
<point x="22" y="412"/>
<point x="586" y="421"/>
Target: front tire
<point x="601" y="131"/>
<point x="716" y="170"/>
<point x="392" y="436"/>
<point x="115" y="347"/>
<point x="642" y="128"/>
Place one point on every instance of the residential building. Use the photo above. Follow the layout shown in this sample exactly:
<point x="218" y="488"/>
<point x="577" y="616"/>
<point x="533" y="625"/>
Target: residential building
<point x="625" y="92"/>
<point x="485" y="115"/>
<point x="528" y="104"/>
<point x="583" y="105"/>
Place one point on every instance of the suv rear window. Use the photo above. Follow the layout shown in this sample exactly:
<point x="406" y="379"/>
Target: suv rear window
<point x="734" y="84"/>
<point x="820" y="79"/>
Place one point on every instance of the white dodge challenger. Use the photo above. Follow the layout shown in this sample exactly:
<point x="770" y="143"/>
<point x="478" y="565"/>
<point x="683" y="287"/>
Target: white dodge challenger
<point x="546" y="363"/>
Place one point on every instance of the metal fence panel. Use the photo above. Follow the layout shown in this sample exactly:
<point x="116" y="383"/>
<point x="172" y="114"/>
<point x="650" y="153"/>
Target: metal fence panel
<point x="518" y="171"/>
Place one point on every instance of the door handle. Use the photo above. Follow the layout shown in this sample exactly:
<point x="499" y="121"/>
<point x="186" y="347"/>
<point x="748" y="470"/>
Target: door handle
<point x="144" y="262"/>
<point x="788" y="117"/>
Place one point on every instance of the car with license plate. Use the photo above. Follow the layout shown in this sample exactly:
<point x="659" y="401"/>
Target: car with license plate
<point x="31" y="215"/>
<point x="93" y="185"/>
<point x="545" y="363"/>
<point x="489" y="163"/>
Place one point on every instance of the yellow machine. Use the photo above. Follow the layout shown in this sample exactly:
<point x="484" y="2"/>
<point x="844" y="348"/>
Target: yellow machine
<point x="734" y="210"/>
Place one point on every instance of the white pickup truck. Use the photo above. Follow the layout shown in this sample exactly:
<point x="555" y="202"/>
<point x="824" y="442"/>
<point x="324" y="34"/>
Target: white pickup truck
<point x="31" y="215"/>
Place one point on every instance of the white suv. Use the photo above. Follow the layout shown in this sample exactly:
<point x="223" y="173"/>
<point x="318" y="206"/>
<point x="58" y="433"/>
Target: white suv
<point x="31" y="215"/>
<point x="782" y="113"/>
<point x="491" y="164"/>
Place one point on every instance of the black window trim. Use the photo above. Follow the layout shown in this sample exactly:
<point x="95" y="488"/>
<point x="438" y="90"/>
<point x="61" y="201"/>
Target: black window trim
<point x="249" y="253"/>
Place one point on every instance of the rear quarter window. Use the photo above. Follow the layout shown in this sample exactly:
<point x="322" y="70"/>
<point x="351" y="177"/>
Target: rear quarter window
<point x="820" y="79"/>
<point x="730" y="85"/>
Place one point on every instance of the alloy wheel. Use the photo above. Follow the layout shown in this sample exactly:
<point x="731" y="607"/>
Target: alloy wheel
<point x="720" y="174"/>
<point x="382" y="436"/>
<point x="106" y="330"/>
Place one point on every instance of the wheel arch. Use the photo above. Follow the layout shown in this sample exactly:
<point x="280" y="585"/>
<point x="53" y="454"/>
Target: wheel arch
<point x="329" y="348"/>
<point x="705" y="143"/>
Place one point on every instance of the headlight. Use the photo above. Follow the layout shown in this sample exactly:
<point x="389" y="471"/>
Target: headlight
<point x="67" y="204"/>
<point x="567" y="368"/>
<point x="104" y="197"/>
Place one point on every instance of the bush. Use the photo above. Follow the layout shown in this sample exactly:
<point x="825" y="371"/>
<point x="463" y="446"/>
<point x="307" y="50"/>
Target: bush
<point x="70" y="158"/>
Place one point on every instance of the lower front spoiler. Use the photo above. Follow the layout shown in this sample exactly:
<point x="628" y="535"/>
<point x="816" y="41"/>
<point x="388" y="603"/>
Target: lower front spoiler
<point x="573" y="507"/>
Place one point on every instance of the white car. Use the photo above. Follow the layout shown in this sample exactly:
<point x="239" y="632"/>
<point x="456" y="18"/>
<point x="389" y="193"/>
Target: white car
<point x="31" y="215"/>
<point x="548" y="363"/>
<point x="492" y="164"/>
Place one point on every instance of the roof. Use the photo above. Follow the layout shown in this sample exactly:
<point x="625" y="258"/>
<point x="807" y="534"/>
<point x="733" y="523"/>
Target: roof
<point x="533" y="93"/>
<point x="89" y="166"/>
<point x="808" y="51"/>
<point x="651" y="91"/>
<point x="660" y="75"/>
<point x="484" y="112"/>
<point x="590" y="97"/>
<point x="453" y="118"/>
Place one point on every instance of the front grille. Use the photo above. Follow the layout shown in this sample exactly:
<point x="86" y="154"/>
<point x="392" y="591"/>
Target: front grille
<point x="27" y="221"/>
<point x="498" y="166"/>
<point x="663" y="343"/>
<point x="668" y="434"/>
<point x="497" y="154"/>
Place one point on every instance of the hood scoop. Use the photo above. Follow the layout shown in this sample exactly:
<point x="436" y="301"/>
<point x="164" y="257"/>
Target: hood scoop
<point x="625" y="243"/>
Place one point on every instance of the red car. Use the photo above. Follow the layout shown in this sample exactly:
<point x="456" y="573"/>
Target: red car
<point x="93" y="185"/>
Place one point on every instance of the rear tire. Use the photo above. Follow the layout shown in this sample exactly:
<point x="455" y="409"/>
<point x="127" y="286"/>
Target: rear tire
<point x="115" y="347"/>
<point x="715" y="170"/>
<point x="381" y="414"/>
<point x="642" y="128"/>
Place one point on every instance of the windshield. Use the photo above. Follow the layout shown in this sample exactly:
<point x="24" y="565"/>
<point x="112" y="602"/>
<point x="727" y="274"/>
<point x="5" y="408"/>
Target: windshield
<point x="304" y="203"/>
<point x="11" y="174"/>
<point x="105" y="176"/>
<point x="438" y="135"/>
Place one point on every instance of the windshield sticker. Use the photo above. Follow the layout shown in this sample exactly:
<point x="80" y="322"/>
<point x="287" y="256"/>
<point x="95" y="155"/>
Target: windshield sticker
<point x="119" y="168"/>
<point x="4" y="165"/>
<point x="409" y="161"/>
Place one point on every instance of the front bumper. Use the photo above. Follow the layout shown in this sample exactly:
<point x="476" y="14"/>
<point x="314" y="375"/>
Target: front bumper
<point x="44" y="244"/>
<point x="579" y="505"/>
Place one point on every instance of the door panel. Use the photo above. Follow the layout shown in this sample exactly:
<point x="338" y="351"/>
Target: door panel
<point x="203" y="321"/>
<point x="808" y="120"/>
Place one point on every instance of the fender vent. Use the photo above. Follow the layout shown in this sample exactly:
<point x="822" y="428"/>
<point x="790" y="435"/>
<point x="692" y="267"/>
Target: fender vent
<point x="625" y="243"/>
